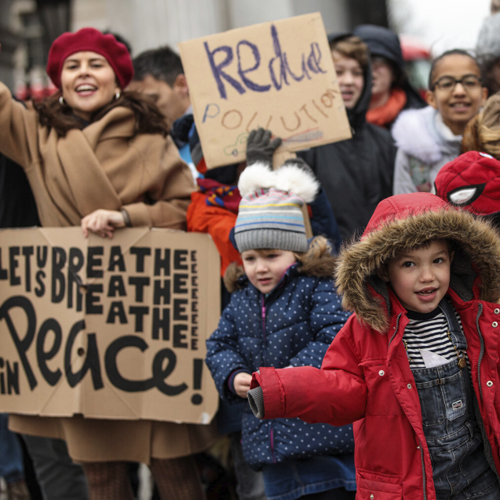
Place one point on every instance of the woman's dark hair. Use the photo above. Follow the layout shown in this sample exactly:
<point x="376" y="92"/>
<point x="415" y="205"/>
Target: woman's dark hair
<point x="459" y="52"/>
<point x="148" y="118"/>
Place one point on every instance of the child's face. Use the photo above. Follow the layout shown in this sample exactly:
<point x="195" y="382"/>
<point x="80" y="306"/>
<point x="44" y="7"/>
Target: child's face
<point x="458" y="103"/>
<point x="350" y="78"/>
<point x="420" y="277"/>
<point x="382" y="77"/>
<point x="265" y="268"/>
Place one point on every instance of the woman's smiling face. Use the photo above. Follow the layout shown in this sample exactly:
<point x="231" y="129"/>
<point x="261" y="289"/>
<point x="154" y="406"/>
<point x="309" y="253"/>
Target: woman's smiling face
<point x="88" y="83"/>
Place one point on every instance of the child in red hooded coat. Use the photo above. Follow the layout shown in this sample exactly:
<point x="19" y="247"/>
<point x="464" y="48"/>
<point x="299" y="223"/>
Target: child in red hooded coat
<point x="416" y="366"/>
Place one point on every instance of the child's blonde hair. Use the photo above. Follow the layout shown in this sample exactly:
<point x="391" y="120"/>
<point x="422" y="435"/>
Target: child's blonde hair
<point x="483" y="131"/>
<point x="318" y="260"/>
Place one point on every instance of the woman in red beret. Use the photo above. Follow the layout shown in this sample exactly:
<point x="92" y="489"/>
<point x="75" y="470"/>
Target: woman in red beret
<point x="100" y="157"/>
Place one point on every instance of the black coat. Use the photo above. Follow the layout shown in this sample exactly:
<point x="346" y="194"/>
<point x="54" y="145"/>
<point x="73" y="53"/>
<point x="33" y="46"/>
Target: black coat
<point x="17" y="205"/>
<point x="356" y="174"/>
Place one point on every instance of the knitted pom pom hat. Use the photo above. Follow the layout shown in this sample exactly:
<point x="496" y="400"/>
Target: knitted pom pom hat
<point x="270" y="212"/>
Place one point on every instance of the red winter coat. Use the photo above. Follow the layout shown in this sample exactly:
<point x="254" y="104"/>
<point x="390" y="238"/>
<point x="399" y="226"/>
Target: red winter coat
<point x="365" y="376"/>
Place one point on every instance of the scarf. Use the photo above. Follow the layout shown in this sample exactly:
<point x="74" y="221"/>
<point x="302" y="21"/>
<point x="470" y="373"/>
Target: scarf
<point x="386" y="114"/>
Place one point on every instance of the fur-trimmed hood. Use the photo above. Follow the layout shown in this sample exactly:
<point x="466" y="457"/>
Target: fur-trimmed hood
<point x="404" y="222"/>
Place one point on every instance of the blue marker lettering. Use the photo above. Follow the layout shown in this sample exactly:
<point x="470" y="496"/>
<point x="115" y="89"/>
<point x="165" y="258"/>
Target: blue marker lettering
<point x="314" y="59"/>
<point x="217" y="69"/>
<point x="207" y="115"/>
<point x="295" y="77"/>
<point x="279" y="56"/>
<point x="242" y="72"/>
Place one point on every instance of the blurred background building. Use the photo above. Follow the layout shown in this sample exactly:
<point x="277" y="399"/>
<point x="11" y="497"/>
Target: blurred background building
<point x="28" y="27"/>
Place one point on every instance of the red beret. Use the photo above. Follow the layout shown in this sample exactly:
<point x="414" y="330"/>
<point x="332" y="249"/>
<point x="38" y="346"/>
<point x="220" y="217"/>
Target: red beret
<point x="92" y="40"/>
<point x="471" y="181"/>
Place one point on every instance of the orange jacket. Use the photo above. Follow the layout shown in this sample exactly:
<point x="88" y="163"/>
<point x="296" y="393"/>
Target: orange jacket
<point x="217" y="222"/>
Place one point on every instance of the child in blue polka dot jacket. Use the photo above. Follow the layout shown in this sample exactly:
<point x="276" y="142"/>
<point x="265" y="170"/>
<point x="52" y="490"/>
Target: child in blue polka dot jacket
<point x="284" y="311"/>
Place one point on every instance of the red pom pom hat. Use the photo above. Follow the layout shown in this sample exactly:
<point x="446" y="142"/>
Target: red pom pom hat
<point x="91" y="40"/>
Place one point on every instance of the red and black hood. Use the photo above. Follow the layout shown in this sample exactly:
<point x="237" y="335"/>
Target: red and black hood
<point x="472" y="182"/>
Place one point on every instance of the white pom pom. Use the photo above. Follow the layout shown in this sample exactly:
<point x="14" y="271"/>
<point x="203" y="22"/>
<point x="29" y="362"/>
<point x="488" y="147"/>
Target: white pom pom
<point x="292" y="178"/>
<point x="256" y="176"/>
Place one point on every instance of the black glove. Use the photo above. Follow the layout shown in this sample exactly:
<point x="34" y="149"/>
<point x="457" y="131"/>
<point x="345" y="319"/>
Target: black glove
<point x="260" y="147"/>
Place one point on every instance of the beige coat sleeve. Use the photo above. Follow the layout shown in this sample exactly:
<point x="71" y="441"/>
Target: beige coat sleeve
<point x="166" y="200"/>
<point x="18" y="129"/>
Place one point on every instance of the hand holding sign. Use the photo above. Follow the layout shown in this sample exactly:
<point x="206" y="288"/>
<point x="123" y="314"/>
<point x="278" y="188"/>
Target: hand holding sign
<point x="277" y="76"/>
<point x="260" y="147"/>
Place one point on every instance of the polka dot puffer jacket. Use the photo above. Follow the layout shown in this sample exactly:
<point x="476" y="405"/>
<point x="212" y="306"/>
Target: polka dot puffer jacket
<point x="292" y="326"/>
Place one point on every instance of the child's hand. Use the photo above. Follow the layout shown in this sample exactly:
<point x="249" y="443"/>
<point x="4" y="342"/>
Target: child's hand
<point x="242" y="384"/>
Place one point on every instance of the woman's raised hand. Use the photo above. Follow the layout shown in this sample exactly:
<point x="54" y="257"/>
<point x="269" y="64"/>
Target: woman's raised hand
<point x="102" y="222"/>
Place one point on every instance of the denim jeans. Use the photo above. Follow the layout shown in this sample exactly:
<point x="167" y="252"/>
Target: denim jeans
<point x="11" y="457"/>
<point x="459" y="466"/>
<point x="294" y="479"/>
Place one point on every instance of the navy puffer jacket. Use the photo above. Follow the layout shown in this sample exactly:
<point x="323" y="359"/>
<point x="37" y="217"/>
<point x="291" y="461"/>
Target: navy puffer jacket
<point x="292" y="326"/>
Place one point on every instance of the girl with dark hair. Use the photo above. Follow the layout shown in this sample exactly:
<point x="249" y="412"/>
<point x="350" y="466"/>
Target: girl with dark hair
<point x="430" y="137"/>
<point x="100" y="157"/>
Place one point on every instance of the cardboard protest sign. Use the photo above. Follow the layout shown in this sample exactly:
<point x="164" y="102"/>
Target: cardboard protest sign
<point x="277" y="75"/>
<point x="108" y="328"/>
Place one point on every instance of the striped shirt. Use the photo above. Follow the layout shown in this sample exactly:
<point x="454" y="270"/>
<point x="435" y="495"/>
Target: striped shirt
<point x="428" y="332"/>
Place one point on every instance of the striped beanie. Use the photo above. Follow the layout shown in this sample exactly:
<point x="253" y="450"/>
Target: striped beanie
<point x="270" y="212"/>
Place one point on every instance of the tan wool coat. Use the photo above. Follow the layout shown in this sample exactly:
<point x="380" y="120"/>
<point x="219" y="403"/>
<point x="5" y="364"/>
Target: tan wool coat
<point x="103" y="166"/>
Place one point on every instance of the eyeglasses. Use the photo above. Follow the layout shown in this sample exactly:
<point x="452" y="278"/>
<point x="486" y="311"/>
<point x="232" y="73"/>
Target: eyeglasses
<point x="448" y="83"/>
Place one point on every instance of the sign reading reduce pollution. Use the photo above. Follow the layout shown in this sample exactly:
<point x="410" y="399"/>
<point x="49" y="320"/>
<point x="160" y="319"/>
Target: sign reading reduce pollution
<point x="277" y="75"/>
<point x="108" y="328"/>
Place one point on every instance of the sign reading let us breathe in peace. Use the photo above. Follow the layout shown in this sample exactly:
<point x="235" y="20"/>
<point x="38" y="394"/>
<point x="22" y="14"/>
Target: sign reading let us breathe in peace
<point x="277" y="75"/>
<point x="105" y="328"/>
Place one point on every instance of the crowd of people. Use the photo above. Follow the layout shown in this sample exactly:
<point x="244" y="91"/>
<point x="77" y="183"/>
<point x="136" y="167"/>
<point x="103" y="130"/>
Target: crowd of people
<point x="361" y="362"/>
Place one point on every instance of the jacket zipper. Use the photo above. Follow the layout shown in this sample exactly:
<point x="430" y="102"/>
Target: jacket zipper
<point x="395" y="330"/>
<point x="481" y="352"/>
<point x="263" y="319"/>
<point x="271" y="434"/>
<point x="424" y="478"/>
<point x="272" y="443"/>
